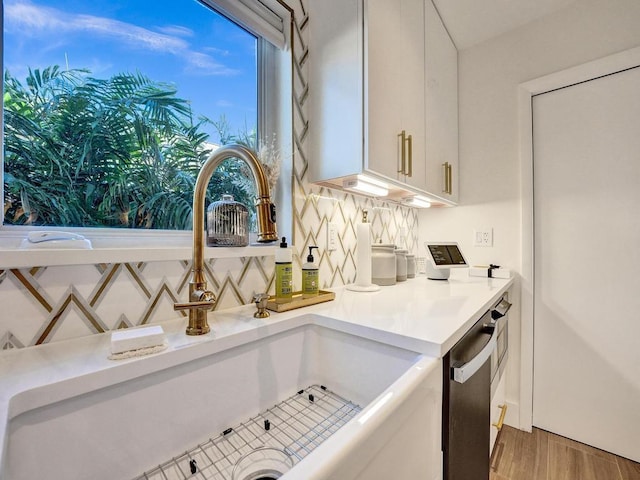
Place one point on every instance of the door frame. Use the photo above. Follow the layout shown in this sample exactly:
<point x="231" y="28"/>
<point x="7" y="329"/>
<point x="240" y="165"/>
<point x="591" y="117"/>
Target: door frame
<point x="526" y="91"/>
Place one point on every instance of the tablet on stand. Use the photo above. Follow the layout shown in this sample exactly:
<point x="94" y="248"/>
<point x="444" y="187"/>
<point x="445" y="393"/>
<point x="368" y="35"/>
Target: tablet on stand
<point x="442" y="257"/>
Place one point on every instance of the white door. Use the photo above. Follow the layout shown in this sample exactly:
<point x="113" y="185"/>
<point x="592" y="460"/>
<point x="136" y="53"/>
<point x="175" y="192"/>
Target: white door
<point x="587" y="262"/>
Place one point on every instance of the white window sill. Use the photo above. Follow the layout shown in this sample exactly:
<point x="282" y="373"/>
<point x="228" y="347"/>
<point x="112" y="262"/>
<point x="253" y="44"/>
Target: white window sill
<point x="110" y="247"/>
<point x="19" y="258"/>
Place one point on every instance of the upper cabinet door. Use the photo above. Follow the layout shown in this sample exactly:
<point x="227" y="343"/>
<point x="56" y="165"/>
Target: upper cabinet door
<point x="414" y="93"/>
<point x="441" y="110"/>
<point x="394" y="90"/>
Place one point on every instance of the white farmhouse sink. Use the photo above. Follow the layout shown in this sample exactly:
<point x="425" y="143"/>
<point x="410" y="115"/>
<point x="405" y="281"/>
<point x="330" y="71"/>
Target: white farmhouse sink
<point x="119" y="431"/>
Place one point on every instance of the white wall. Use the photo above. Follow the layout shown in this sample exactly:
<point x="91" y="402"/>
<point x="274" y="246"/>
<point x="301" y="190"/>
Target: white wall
<point x="489" y="75"/>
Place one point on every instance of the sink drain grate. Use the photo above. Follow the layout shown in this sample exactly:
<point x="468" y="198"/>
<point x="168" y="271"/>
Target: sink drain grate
<point x="296" y="426"/>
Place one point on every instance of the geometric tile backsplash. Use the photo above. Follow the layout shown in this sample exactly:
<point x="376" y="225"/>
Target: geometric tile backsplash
<point x="45" y="304"/>
<point x="48" y="304"/>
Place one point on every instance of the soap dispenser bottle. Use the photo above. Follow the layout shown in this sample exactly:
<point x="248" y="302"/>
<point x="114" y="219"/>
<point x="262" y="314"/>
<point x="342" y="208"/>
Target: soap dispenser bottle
<point x="310" y="280"/>
<point x="284" y="273"/>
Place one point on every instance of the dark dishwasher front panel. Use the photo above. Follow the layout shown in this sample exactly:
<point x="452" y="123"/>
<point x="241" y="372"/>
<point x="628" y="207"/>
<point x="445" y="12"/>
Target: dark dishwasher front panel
<point x="466" y="409"/>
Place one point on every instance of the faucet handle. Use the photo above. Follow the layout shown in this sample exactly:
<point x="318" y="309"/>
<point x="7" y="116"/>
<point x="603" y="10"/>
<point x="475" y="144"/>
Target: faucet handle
<point x="194" y="306"/>
<point x="206" y="300"/>
<point x="261" y="300"/>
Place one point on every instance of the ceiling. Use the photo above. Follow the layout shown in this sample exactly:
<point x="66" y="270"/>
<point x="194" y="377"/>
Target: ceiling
<point x="473" y="21"/>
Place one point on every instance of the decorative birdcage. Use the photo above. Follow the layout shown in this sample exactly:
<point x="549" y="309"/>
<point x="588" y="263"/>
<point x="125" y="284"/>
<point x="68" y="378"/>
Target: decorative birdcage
<point x="227" y="223"/>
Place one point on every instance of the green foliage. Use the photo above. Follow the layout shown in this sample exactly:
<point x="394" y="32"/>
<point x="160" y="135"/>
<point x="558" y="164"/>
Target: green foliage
<point x="121" y="152"/>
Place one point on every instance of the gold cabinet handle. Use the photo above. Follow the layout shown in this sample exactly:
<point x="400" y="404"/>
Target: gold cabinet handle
<point x="503" y="412"/>
<point x="403" y="153"/>
<point x="448" y="178"/>
<point x="445" y="177"/>
<point x="410" y="151"/>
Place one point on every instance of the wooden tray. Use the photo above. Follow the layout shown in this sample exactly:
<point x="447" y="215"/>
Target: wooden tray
<point x="299" y="302"/>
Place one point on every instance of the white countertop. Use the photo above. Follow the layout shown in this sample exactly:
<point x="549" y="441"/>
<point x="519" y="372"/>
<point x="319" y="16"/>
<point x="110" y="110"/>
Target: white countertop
<point x="427" y="316"/>
<point x="421" y="315"/>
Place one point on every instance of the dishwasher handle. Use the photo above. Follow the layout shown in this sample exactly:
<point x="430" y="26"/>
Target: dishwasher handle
<point x="465" y="372"/>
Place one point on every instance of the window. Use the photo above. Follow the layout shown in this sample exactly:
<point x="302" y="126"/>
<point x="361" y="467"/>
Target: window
<point x="111" y="107"/>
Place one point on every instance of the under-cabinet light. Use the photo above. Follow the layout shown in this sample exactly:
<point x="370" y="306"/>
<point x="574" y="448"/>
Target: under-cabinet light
<point x="417" y="201"/>
<point x="366" y="185"/>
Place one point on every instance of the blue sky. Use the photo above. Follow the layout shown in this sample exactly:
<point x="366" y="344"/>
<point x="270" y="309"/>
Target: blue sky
<point x="181" y="42"/>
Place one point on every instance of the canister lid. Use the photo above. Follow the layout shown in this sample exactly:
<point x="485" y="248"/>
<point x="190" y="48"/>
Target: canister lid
<point x="383" y="246"/>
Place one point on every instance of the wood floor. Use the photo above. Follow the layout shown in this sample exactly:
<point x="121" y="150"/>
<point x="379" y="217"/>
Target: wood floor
<point x="542" y="455"/>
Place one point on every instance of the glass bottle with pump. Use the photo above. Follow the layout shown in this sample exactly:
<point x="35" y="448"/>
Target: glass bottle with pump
<point x="284" y="273"/>
<point x="310" y="280"/>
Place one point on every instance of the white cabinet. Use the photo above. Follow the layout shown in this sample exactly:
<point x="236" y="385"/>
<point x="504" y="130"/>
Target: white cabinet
<point x="441" y="104"/>
<point x="370" y="89"/>
<point x="394" y="108"/>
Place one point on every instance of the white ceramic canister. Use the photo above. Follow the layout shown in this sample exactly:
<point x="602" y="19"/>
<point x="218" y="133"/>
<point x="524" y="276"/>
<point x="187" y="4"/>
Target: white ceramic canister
<point x="411" y="265"/>
<point x="401" y="265"/>
<point x="383" y="264"/>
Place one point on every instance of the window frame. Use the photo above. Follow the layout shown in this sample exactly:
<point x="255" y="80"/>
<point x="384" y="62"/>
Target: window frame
<point x="275" y="117"/>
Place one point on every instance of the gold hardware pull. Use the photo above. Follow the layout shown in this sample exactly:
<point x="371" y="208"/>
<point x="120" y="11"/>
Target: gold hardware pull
<point x="410" y="150"/>
<point x="445" y="176"/>
<point x="448" y="182"/>
<point x="403" y="153"/>
<point x="503" y="412"/>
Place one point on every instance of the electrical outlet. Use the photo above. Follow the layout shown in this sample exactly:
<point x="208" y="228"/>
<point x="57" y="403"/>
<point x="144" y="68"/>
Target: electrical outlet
<point x="483" y="237"/>
<point x="332" y="237"/>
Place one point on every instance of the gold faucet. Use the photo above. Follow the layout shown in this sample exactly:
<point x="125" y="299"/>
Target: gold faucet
<point x="202" y="300"/>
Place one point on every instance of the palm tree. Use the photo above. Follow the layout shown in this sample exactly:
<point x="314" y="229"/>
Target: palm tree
<point x="120" y="152"/>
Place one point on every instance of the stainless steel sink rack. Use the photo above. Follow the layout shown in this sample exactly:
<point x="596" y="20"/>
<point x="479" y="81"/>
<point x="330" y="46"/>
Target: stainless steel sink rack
<point x="296" y="426"/>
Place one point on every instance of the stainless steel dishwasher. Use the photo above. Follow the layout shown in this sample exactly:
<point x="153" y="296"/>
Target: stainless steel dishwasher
<point x="467" y="372"/>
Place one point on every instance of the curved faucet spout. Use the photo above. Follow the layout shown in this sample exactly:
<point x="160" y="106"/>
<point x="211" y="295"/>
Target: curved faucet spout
<point x="200" y="299"/>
